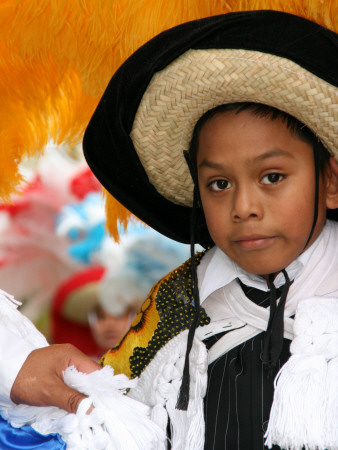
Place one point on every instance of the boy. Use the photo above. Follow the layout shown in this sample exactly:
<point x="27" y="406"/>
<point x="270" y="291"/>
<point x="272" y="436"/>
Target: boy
<point x="263" y="185"/>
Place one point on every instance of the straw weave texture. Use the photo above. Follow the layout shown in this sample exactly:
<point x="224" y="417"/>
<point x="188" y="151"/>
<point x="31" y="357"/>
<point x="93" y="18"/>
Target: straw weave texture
<point x="202" y="79"/>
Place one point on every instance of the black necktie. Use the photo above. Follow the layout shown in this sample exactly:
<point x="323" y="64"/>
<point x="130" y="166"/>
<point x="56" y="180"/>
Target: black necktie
<point x="274" y="335"/>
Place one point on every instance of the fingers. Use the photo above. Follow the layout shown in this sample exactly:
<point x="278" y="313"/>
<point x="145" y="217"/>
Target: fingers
<point x="40" y="380"/>
<point x="65" y="397"/>
<point x="78" y="359"/>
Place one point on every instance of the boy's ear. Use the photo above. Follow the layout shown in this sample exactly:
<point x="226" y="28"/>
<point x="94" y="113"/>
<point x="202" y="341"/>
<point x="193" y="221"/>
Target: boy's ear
<point x="332" y="185"/>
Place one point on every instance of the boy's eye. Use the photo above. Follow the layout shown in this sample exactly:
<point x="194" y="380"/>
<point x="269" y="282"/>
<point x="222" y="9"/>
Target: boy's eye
<point x="220" y="185"/>
<point x="272" y="178"/>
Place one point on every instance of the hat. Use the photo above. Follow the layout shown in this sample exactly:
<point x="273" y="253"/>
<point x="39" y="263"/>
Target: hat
<point x="135" y="140"/>
<point x="70" y="306"/>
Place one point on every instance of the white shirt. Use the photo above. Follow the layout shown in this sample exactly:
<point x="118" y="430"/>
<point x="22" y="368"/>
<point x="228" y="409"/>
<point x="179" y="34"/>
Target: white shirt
<point x="18" y="338"/>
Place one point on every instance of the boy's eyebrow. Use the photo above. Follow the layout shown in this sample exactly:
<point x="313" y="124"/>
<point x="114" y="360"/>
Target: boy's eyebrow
<point x="269" y="154"/>
<point x="209" y="164"/>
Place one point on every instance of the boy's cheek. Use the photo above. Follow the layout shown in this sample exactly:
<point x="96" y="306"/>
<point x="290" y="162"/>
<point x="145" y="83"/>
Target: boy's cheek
<point x="216" y="223"/>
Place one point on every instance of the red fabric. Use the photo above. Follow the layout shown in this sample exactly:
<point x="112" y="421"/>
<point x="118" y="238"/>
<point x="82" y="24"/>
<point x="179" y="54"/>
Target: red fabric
<point x="84" y="183"/>
<point x="64" y="330"/>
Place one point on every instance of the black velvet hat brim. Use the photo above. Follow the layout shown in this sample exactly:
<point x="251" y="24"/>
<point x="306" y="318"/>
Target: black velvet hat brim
<point x="107" y="145"/>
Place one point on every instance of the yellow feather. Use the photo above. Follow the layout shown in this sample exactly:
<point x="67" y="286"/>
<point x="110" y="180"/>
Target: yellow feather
<point x="116" y="215"/>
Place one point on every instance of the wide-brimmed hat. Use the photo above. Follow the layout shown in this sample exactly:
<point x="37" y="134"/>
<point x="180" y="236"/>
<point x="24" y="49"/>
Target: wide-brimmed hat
<point x="135" y="140"/>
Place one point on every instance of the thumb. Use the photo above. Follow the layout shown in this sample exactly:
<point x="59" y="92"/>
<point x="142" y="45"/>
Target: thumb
<point x="65" y="397"/>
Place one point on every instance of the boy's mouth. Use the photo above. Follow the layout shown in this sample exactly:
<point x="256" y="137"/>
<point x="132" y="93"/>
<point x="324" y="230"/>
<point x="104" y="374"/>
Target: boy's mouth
<point x="254" y="242"/>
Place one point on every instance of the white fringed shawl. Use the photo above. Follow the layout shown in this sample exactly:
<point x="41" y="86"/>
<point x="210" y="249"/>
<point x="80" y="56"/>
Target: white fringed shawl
<point x="159" y="385"/>
<point x="305" y="407"/>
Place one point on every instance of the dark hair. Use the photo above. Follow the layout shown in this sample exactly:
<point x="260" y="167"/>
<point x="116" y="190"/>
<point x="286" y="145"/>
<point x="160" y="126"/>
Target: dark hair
<point x="294" y="125"/>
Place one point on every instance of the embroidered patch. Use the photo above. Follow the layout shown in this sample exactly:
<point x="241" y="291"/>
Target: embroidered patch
<point x="167" y="311"/>
<point x="174" y="305"/>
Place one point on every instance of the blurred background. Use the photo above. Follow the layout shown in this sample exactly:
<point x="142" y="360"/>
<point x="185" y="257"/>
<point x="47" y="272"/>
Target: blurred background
<point x="74" y="281"/>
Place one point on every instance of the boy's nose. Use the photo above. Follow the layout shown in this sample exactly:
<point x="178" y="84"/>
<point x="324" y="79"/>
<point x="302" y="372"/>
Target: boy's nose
<point x="246" y="204"/>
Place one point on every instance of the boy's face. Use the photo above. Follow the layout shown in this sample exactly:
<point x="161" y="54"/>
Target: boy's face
<point x="257" y="186"/>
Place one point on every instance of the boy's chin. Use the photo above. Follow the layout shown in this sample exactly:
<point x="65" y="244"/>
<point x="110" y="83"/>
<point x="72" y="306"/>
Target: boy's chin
<point x="263" y="270"/>
<point x="264" y="262"/>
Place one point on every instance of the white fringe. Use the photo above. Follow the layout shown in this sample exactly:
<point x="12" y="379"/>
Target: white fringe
<point x="159" y="416"/>
<point x="159" y="385"/>
<point x="116" y="423"/>
<point x="304" y="412"/>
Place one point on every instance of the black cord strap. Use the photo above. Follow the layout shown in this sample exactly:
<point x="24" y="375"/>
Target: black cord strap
<point x="273" y="340"/>
<point x="183" y="396"/>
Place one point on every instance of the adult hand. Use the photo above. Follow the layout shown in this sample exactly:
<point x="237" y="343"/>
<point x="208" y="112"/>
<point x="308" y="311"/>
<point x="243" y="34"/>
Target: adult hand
<point x="40" y="380"/>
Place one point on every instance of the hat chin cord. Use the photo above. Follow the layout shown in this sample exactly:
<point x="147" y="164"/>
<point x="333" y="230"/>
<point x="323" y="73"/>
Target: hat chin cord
<point x="274" y="335"/>
<point x="183" y="396"/>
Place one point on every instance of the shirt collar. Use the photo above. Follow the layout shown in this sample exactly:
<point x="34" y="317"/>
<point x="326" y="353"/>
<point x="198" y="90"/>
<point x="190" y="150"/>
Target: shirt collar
<point x="221" y="271"/>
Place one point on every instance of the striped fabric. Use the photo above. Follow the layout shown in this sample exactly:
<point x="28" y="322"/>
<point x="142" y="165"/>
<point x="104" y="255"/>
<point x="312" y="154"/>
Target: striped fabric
<point x="240" y="391"/>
